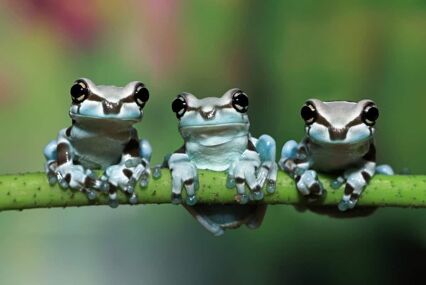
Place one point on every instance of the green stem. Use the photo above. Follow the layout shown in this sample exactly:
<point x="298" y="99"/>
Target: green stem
<point x="31" y="190"/>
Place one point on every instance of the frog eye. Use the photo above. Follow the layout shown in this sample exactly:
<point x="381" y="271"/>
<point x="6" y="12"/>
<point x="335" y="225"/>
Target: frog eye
<point x="79" y="92"/>
<point x="179" y="106"/>
<point x="240" y="101"/>
<point x="370" y="115"/>
<point x="308" y="113"/>
<point x="141" y="95"/>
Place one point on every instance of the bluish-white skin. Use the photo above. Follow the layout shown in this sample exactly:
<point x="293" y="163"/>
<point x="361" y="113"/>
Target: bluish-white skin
<point x="101" y="137"/>
<point x="216" y="137"/>
<point x="339" y="139"/>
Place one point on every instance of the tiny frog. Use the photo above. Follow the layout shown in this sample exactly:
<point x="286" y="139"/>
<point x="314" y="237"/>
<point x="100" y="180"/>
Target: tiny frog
<point x="339" y="139"/>
<point x="101" y="137"/>
<point x="216" y="137"/>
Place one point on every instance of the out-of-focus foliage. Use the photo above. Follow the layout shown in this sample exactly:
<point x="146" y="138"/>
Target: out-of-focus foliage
<point x="281" y="53"/>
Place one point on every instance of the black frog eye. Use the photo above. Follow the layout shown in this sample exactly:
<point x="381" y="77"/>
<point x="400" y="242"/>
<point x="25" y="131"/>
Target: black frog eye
<point x="308" y="113"/>
<point x="370" y="115"/>
<point x="141" y="95"/>
<point x="79" y="92"/>
<point x="240" y="101"/>
<point x="179" y="106"/>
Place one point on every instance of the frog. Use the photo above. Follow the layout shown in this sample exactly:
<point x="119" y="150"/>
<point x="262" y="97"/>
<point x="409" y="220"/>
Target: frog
<point x="216" y="137"/>
<point x="339" y="140"/>
<point x="101" y="137"/>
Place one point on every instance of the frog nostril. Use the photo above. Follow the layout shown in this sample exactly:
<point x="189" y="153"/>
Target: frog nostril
<point x="337" y="134"/>
<point x="111" y="108"/>
<point x="208" y="115"/>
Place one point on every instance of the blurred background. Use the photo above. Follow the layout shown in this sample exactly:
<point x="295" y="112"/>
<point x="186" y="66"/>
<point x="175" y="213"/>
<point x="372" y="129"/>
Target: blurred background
<point x="281" y="53"/>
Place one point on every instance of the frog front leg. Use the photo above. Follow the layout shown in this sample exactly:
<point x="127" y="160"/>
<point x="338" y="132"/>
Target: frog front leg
<point x="184" y="175"/>
<point x="356" y="180"/>
<point x="132" y="168"/>
<point x="60" y="168"/>
<point x="266" y="147"/>
<point x="244" y="172"/>
<point x="296" y="162"/>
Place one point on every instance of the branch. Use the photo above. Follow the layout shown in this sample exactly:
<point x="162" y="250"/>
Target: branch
<point x="31" y="190"/>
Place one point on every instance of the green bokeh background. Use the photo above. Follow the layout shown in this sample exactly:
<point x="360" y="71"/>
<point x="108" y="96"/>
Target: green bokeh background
<point x="281" y="53"/>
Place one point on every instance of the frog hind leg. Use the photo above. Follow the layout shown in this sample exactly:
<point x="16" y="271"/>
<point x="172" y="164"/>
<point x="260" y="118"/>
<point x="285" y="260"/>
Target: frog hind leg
<point x="266" y="147"/>
<point x="256" y="220"/>
<point x="71" y="176"/>
<point x="384" y="169"/>
<point x="208" y="224"/>
<point x="218" y="218"/>
<point x="50" y="154"/>
<point x="132" y="169"/>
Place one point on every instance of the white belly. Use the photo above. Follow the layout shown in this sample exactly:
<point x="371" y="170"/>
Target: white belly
<point x="97" y="151"/>
<point x="331" y="158"/>
<point x="216" y="157"/>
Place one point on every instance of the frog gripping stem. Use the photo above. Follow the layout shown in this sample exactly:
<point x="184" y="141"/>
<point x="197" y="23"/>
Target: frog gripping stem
<point x="32" y="190"/>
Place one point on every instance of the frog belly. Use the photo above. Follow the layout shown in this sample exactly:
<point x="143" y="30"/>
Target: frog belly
<point x="98" y="152"/>
<point x="332" y="158"/>
<point x="219" y="157"/>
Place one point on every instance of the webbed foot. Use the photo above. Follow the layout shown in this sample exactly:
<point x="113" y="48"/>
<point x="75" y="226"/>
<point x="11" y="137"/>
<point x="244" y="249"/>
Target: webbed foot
<point x="74" y="177"/>
<point x="126" y="175"/>
<point x="244" y="172"/>
<point x="309" y="185"/>
<point x="184" y="175"/>
<point x="356" y="181"/>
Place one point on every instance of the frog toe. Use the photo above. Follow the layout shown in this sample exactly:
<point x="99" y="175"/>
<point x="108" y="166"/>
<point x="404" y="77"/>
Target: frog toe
<point x="49" y="168"/>
<point x="345" y="205"/>
<point x="144" y="182"/>
<point x="242" y="198"/>
<point x="156" y="173"/>
<point x="133" y="199"/>
<point x="91" y="195"/>
<point x="176" y="198"/>
<point x="184" y="176"/>
<point x="271" y="181"/>
<point x="191" y="200"/>
<point x="337" y="183"/>
<point x="257" y="195"/>
<point x="267" y="174"/>
<point x="384" y="169"/>
<point x="113" y="202"/>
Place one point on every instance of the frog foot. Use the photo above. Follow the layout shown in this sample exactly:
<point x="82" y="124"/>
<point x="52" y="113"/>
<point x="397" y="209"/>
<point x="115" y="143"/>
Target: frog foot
<point x="309" y="185"/>
<point x="156" y="173"/>
<point x="184" y="175"/>
<point x="244" y="173"/>
<point x="356" y="181"/>
<point x="288" y="154"/>
<point x="384" y="169"/>
<point x="74" y="177"/>
<point x="337" y="183"/>
<point x="268" y="175"/>
<point x="125" y="176"/>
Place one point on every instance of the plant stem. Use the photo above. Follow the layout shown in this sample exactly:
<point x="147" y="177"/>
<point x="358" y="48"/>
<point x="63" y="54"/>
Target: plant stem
<point x="31" y="190"/>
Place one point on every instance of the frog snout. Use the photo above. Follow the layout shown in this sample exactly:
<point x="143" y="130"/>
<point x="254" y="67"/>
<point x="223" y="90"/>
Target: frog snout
<point x="208" y="114"/>
<point x="337" y="133"/>
<point x="111" y="108"/>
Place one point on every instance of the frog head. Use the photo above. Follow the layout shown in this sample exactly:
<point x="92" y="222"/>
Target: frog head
<point x="213" y="120"/>
<point x="91" y="102"/>
<point x="339" y="122"/>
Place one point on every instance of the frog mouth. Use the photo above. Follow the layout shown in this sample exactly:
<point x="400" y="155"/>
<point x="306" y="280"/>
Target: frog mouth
<point x="99" y="119"/>
<point x="211" y="126"/>
<point x="340" y="142"/>
<point x="339" y="136"/>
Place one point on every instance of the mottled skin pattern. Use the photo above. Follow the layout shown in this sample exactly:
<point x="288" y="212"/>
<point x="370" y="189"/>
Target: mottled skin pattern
<point x="216" y="136"/>
<point x="339" y="140"/>
<point x="101" y="137"/>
